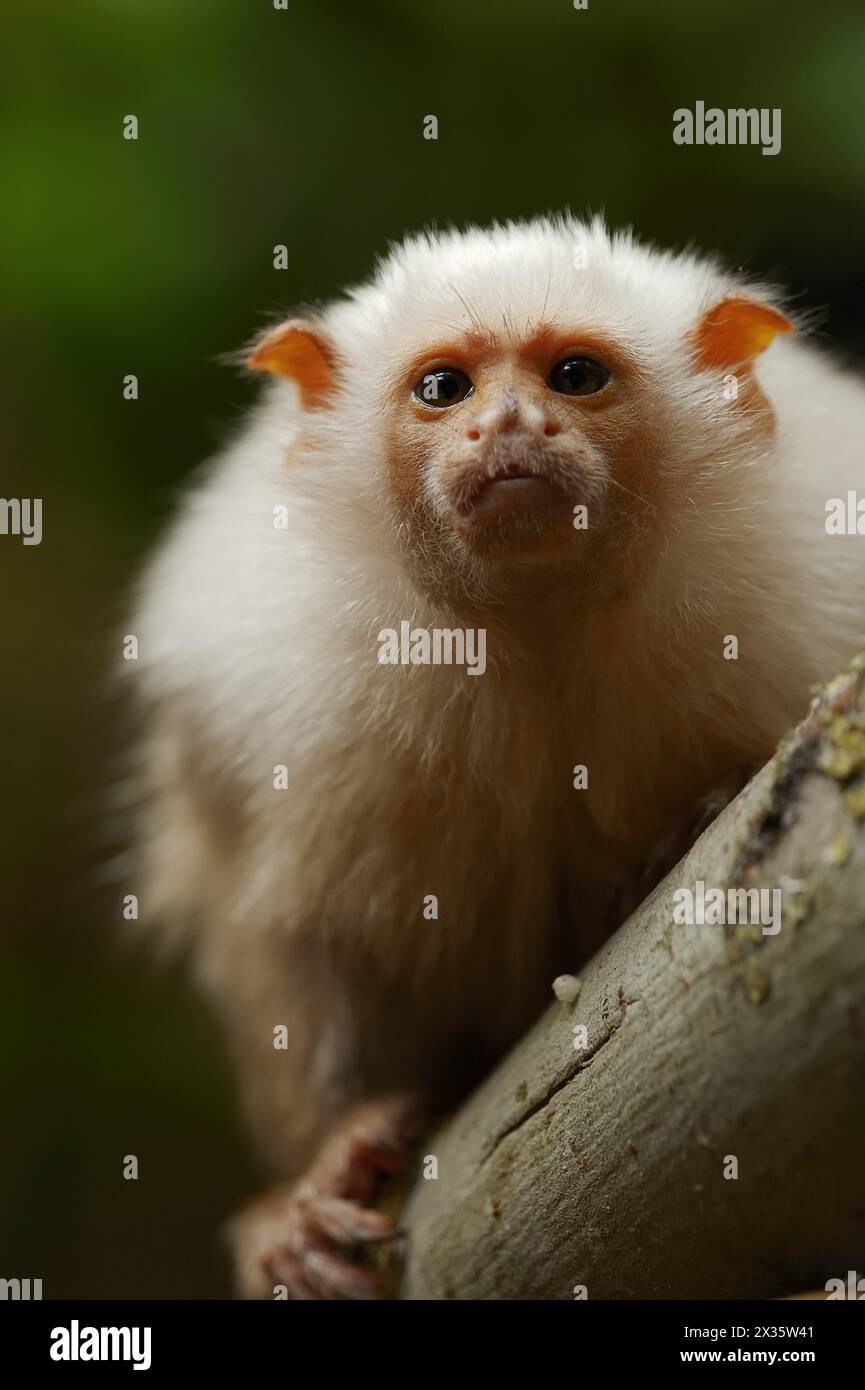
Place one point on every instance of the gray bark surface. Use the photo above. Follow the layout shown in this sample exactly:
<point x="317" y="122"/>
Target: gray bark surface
<point x="604" y="1166"/>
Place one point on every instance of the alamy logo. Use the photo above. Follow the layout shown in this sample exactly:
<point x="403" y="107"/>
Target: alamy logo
<point x="76" y="1343"/>
<point x="437" y="646"/>
<point x="20" y="1290"/>
<point x="845" y="518"/>
<point x="736" y="126"/>
<point x="712" y="907"/>
<point x="853" y="1289"/>
<point x="22" y="516"/>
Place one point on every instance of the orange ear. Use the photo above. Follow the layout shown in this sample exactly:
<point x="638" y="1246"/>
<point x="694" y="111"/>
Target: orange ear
<point x="736" y="331"/>
<point x="297" y="350"/>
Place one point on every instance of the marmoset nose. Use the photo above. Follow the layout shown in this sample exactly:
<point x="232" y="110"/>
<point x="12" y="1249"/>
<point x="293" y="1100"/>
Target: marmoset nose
<point x="509" y="415"/>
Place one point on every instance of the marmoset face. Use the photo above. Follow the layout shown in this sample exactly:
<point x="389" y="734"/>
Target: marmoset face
<point x="512" y="445"/>
<point x="536" y="395"/>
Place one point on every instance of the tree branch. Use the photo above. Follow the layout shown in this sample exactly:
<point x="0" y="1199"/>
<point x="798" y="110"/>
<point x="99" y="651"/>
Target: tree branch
<point x="603" y="1165"/>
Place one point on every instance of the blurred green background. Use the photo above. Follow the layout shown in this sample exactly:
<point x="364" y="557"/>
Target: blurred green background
<point x="261" y="126"/>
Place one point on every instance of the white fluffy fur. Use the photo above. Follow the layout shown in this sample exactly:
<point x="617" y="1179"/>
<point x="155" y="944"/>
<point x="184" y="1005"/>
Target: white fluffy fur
<point x="258" y="648"/>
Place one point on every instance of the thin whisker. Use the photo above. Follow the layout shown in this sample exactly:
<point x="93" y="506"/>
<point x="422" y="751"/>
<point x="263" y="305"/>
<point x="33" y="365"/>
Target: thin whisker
<point x="638" y="496"/>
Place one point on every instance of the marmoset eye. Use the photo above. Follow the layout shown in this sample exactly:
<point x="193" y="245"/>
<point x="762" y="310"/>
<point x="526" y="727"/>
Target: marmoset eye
<point x="444" y="386"/>
<point x="578" y="376"/>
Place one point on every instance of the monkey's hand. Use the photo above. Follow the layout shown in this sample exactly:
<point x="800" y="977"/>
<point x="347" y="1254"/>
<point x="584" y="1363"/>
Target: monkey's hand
<point x="306" y="1235"/>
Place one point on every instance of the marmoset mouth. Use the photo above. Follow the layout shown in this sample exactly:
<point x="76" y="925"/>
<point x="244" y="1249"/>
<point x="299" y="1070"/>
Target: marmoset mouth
<point x="516" y="476"/>
<point x="513" y="488"/>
